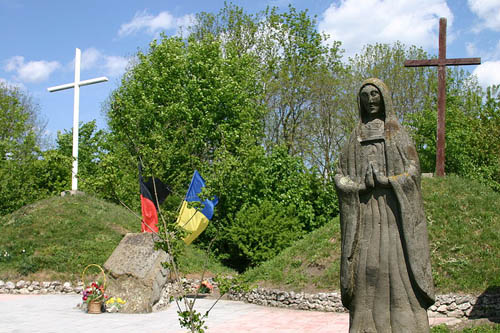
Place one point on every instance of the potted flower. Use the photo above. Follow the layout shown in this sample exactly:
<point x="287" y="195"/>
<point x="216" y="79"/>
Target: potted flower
<point x="93" y="293"/>
<point x="114" y="304"/>
<point x="205" y="287"/>
<point x="94" y="296"/>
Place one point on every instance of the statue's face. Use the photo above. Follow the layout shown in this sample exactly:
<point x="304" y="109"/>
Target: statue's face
<point x="370" y="99"/>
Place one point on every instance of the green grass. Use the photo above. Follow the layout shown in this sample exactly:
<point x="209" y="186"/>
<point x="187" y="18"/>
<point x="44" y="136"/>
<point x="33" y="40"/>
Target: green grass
<point x="485" y="328"/>
<point x="310" y="264"/>
<point x="193" y="261"/>
<point x="464" y="228"/>
<point x="58" y="237"/>
<point x="463" y="218"/>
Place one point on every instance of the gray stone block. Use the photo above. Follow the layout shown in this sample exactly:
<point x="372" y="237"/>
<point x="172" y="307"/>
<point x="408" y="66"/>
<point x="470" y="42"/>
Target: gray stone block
<point x="136" y="273"/>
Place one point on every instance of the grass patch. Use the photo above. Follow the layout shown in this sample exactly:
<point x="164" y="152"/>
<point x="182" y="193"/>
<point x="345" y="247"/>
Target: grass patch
<point x="463" y="218"/>
<point x="58" y="237"/>
<point x="193" y="261"/>
<point x="485" y="328"/>
<point x="464" y="226"/>
<point x="310" y="264"/>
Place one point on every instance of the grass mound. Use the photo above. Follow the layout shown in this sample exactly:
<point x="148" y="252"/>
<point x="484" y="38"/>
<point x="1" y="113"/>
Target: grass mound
<point x="57" y="238"/>
<point x="464" y="230"/>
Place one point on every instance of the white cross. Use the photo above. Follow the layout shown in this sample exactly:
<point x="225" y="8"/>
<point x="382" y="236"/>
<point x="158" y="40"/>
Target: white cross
<point x="76" y="102"/>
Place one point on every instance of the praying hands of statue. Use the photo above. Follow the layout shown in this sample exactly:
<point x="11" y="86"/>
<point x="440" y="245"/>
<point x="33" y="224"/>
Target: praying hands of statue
<point x="373" y="178"/>
<point x="379" y="177"/>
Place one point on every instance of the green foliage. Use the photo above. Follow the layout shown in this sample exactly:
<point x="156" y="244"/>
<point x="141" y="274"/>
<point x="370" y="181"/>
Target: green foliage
<point x="411" y="88"/>
<point x="311" y="263"/>
<point x="260" y="232"/>
<point x="192" y="320"/>
<point x="293" y="62"/>
<point x="54" y="172"/>
<point x="472" y="131"/>
<point x="194" y="260"/>
<point x="265" y="202"/>
<point x="19" y="149"/>
<point x="97" y="173"/>
<point x="235" y="284"/>
<point x="463" y="221"/>
<point x="196" y="104"/>
<point x="179" y="103"/>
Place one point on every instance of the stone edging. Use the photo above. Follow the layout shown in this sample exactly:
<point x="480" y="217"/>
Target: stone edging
<point x="450" y="305"/>
<point x="36" y="287"/>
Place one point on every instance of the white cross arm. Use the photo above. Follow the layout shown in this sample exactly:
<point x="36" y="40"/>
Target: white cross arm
<point x="81" y="83"/>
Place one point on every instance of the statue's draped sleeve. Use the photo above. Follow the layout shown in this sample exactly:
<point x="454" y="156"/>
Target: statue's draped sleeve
<point x="348" y="195"/>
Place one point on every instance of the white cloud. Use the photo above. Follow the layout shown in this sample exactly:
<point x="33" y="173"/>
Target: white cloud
<point x="95" y="59"/>
<point x="154" y="24"/>
<point x="489" y="13"/>
<point x="90" y="57"/>
<point x="357" y="23"/>
<point x="488" y="73"/>
<point x="471" y="49"/>
<point x="492" y="53"/>
<point x="32" y="71"/>
<point x="115" y="66"/>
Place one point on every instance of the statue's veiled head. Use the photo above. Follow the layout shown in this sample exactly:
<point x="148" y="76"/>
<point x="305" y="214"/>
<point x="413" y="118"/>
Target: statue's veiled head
<point x="371" y="103"/>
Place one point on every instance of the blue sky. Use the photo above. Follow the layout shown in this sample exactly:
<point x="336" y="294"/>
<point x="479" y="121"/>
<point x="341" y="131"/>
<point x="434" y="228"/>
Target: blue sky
<point x="39" y="38"/>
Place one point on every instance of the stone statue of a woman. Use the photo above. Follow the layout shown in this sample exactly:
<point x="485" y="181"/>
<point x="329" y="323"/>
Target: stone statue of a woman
<point x="386" y="279"/>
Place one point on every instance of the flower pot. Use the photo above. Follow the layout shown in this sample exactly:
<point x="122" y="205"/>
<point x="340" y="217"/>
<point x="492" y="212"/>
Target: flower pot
<point x="94" y="307"/>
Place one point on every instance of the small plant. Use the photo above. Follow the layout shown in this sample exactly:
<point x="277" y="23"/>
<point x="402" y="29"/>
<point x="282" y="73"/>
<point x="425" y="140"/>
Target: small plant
<point x="114" y="304"/>
<point x="205" y="287"/>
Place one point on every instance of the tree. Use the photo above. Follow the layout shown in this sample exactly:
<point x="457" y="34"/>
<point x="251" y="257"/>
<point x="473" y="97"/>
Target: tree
<point x="291" y="54"/>
<point x="92" y="153"/>
<point x="472" y="129"/>
<point x="19" y="148"/>
<point x="266" y="202"/>
<point x="182" y="100"/>
<point x="410" y="87"/>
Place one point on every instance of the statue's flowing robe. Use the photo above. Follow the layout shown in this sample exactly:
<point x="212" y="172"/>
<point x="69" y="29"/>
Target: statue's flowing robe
<point x="386" y="279"/>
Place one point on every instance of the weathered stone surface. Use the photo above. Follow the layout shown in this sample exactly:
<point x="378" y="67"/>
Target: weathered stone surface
<point x="383" y="225"/>
<point x="136" y="273"/>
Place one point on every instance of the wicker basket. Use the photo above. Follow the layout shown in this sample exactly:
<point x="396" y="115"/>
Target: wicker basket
<point x="95" y="306"/>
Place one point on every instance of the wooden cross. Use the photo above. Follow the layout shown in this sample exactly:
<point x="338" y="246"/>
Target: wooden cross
<point x="441" y="62"/>
<point x="76" y="109"/>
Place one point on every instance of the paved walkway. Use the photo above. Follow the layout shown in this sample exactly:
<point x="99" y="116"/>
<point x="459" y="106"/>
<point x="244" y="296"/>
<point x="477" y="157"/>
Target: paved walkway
<point x="58" y="313"/>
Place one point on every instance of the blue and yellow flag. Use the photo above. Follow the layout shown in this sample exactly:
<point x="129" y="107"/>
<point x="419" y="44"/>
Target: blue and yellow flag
<point x="193" y="220"/>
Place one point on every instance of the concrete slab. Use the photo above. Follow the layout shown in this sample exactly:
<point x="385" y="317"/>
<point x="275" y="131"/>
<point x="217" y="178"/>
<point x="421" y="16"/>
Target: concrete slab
<point x="58" y="313"/>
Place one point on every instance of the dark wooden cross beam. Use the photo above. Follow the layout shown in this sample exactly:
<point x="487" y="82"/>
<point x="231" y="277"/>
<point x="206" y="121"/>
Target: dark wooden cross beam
<point x="441" y="62"/>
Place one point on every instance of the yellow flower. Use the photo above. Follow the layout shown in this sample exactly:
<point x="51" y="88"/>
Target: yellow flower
<point x="119" y="300"/>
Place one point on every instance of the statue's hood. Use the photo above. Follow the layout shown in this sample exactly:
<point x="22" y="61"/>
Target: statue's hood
<point x="385" y="97"/>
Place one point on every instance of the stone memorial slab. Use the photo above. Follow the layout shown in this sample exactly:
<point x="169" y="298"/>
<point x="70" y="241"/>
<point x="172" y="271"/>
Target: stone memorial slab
<point x="136" y="273"/>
